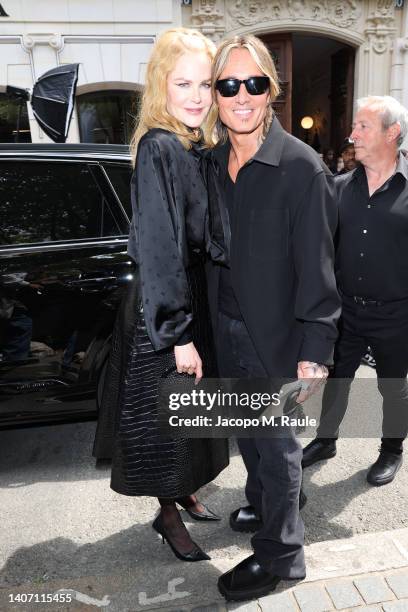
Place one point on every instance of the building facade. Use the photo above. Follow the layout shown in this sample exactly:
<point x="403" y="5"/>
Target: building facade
<point x="110" y="39"/>
<point x="328" y="52"/>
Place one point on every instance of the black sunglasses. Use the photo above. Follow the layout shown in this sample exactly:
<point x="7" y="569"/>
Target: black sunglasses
<point x="255" y="86"/>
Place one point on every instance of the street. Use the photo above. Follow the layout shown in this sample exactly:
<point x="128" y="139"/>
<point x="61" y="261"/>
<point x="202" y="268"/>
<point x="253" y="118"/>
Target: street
<point x="63" y="526"/>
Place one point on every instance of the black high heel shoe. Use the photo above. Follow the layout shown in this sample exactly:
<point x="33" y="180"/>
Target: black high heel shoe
<point x="207" y="515"/>
<point x="196" y="554"/>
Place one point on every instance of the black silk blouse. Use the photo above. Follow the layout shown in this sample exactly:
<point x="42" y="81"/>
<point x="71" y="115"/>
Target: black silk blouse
<point x="170" y="228"/>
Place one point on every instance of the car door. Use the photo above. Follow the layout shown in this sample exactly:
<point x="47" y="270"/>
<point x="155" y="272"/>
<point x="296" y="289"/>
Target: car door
<point x="63" y="268"/>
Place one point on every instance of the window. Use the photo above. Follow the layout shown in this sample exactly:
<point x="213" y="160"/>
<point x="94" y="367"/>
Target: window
<point x="108" y="117"/>
<point x="48" y="201"/>
<point x="120" y="176"/>
<point x="14" y="123"/>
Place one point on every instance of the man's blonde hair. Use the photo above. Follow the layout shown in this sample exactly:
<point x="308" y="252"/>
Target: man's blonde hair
<point x="214" y="130"/>
<point x="169" y="47"/>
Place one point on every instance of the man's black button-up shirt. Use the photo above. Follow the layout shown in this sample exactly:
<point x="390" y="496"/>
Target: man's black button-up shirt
<point x="281" y="251"/>
<point x="372" y="241"/>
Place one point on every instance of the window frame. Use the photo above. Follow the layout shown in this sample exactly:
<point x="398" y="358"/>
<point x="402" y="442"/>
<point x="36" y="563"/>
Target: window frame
<point x="109" y="95"/>
<point x="21" y="104"/>
<point x="105" y="164"/>
<point x="106" y="190"/>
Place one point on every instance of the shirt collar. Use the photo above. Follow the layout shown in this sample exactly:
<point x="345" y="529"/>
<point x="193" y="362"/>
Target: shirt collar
<point x="401" y="168"/>
<point x="359" y="173"/>
<point x="221" y="154"/>
<point x="270" y="151"/>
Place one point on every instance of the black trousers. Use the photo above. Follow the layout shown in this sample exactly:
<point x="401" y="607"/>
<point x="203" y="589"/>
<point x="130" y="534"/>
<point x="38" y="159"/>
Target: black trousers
<point x="273" y="465"/>
<point x="385" y="329"/>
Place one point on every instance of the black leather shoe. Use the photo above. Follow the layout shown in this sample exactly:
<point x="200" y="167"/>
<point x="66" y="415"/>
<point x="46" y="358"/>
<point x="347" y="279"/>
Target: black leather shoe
<point x="247" y="580"/>
<point x="384" y="469"/>
<point x="317" y="450"/>
<point x="245" y="519"/>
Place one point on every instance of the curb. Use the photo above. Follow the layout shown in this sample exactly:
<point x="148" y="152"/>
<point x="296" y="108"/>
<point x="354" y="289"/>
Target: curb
<point x="372" y="554"/>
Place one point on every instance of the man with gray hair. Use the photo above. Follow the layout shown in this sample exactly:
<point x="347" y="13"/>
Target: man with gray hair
<point x="372" y="274"/>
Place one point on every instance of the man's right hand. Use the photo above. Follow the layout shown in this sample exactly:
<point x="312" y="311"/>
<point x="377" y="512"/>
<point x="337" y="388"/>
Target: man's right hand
<point x="313" y="376"/>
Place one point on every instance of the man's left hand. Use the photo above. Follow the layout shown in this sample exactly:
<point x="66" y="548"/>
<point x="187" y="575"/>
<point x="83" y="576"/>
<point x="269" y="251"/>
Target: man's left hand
<point x="313" y="376"/>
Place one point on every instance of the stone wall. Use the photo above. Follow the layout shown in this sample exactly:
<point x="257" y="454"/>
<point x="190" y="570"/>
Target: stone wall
<point x="376" y="28"/>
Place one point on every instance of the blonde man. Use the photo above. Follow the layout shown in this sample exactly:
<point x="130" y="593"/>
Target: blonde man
<point x="275" y="307"/>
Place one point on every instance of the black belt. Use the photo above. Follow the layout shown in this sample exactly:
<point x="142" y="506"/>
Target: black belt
<point x="363" y="301"/>
<point x="366" y="301"/>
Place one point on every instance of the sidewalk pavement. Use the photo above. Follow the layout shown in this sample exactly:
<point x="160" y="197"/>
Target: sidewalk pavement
<point x="64" y="529"/>
<point x="366" y="572"/>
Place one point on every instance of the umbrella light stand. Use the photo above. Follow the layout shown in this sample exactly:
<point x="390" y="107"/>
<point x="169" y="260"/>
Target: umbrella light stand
<point x="52" y="100"/>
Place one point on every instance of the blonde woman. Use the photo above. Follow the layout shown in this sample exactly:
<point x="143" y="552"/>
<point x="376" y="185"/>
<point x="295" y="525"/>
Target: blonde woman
<point x="163" y="323"/>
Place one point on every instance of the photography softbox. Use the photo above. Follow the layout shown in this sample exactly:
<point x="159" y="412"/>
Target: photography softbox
<point x="52" y="100"/>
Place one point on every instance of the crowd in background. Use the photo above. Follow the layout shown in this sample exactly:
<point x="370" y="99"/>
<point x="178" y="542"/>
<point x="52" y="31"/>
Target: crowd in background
<point x="344" y="162"/>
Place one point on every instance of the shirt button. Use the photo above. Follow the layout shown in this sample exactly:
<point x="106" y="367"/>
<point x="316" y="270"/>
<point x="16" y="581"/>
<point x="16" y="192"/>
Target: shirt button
<point x="368" y="205"/>
<point x="364" y="231"/>
<point x="361" y="254"/>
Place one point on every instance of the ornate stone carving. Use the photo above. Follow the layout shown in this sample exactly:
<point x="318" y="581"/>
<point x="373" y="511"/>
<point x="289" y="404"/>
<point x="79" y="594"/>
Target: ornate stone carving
<point x="297" y="9"/>
<point x="381" y="29"/>
<point x="27" y="42"/>
<point x="56" y="41"/>
<point x="385" y="7"/>
<point x="380" y="38"/>
<point x="379" y="41"/>
<point x="340" y="13"/>
<point x="207" y="17"/>
<point x="249" y="12"/>
<point x="318" y="10"/>
<point x="205" y="13"/>
<point x="343" y="13"/>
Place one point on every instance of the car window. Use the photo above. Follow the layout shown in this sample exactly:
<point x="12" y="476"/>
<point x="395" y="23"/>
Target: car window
<point x="48" y="201"/>
<point x="120" y="176"/>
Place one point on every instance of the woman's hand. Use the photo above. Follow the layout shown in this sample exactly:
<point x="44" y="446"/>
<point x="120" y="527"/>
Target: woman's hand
<point x="188" y="360"/>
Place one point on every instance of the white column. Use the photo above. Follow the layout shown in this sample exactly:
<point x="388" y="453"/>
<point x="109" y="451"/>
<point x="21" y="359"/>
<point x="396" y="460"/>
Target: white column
<point x="43" y="51"/>
<point x="399" y="71"/>
<point x="399" y="76"/>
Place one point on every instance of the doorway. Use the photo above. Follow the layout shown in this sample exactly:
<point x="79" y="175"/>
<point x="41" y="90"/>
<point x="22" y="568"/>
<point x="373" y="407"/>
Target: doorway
<point x="317" y="80"/>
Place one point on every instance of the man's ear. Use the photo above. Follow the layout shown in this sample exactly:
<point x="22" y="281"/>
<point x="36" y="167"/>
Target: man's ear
<point x="393" y="132"/>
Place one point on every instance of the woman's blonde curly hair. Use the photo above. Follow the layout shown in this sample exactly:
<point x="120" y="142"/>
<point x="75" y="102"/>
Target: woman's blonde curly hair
<point x="169" y="47"/>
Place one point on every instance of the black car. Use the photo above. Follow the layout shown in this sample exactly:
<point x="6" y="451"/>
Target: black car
<point x="64" y="219"/>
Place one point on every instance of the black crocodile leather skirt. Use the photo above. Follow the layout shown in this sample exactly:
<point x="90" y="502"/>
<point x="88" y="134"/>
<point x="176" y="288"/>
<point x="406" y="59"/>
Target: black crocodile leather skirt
<point x="143" y="461"/>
